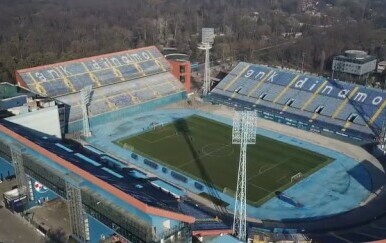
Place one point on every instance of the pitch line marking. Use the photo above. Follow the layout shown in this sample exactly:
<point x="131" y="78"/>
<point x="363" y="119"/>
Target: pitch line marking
<point x="269" y="168"/>
<point x="203" y="156"/>
<point x="340" y="238"/>
<point x="160" y="139"/>
<point x="221" y="146"/>
<point x="164" y="128"/>
<point x="281" y="178"/>
<point x="261" y="188"/>
<point x="371" y="236"/>
<point x="374" y="225"/>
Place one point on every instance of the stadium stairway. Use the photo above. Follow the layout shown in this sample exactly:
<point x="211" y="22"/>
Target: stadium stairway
<point x="314" y="95"/>
<point x="236" y="77"/>
<point x="377" y="113"/>
<point x="344" y="103"/>
<point x="260" y="83"/>
<point x="285" y="89"/>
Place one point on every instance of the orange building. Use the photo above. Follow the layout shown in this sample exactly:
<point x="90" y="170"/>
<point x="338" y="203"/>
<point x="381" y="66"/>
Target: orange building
<point x="181" y="69"/>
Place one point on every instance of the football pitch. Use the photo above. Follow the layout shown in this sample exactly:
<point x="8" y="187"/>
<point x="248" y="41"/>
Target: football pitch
<point x="201" y="148"/>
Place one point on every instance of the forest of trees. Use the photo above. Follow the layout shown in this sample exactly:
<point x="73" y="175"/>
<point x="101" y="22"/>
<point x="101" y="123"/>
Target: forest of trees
<point x="37" y="32"/>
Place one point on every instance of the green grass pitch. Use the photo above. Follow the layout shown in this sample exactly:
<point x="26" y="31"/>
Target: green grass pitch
<point x="202" y="149"/>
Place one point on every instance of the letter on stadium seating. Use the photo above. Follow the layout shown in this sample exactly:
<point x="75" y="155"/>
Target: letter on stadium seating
<point x="249" y="73"/>
<point x="260" y="75"/>
<point x="377" y="100"/>
<point x="343" y="93"/>
<point x="115" y="61"/>
<point x="299" y="84"/>
<point x="136" y="57"/>
<point x="95" y="64"/>
<point x="313" y="85"/>
<point x="54" y="74"/>
<point x="126" y="60"/>
<point x="40" y="76"/>
<point x="274" y="74"/>
<point x="361" y="97"/>
<point x="329" y="88"/>
<point x="145" y="55"/>
<point x="65" y="71"/>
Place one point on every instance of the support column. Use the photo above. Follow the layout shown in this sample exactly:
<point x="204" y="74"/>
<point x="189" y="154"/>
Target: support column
<point x="21" y="177"/>
<point x="78" y="218"/>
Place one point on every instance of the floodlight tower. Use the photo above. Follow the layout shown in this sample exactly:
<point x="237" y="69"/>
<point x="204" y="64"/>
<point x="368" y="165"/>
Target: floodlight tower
<point x="206" y="44"/>
<point x="78" y="217"/>
<point x="21" y="176"/>
<point x="382" y="136"/>
<point x="243" y="133"/>
<point x="85" y="95"/>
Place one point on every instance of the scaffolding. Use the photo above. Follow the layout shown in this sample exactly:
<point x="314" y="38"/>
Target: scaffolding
<point x="21" y="177"/>
<point x="78" y="217"/>
<point x="243" y="133"/>
<point x="382" y="136"/>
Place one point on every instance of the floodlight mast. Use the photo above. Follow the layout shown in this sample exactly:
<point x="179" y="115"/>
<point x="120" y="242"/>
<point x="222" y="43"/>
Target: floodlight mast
<point x="243" y="133"/>
<point x="383" y="136"/>
<point x="85" y="96"/>
<point x="206" y="45"/>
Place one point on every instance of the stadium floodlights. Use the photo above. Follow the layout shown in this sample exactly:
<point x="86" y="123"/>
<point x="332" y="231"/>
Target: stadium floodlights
<point x="85" y="96"/>
<point x="243" y="133"/>
<point x="244" y="121"/>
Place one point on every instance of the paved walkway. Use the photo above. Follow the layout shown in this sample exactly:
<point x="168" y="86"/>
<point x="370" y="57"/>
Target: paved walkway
<point x="12" y="227"/>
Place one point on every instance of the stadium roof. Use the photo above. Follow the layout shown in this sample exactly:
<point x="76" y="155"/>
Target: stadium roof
<point x="135" y="191"/>
<point x="69" y="77"/>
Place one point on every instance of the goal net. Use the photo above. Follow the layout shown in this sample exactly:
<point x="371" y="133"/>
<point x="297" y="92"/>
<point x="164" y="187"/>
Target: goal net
<point x="296" y="177"/>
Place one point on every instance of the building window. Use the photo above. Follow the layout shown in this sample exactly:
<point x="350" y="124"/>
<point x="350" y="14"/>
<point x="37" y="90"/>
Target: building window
<point x="182" y="69"/>
<point x="182" y="79"/>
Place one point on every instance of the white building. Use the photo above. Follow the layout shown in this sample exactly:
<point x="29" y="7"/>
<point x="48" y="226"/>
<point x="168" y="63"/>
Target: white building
<point x="354" y="62"/>
<point x="381" y="66"/>
<point x="25" y="108"/>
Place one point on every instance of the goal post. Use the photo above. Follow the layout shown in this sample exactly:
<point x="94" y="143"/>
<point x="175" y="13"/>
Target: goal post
<point x="296" y="177"/>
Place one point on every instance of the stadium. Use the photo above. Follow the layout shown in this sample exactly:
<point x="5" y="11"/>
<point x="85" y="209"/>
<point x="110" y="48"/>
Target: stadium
<point x="160" y="165"/>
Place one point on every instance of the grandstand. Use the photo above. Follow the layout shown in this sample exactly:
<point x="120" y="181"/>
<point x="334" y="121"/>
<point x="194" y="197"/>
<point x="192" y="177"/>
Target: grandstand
<point x="121" y="81"/>
<point x="304" y="101"/>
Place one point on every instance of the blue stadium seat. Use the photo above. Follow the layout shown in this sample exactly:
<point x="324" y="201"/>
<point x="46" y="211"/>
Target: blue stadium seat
<point x="329" y="99"/>
<point x="282" y="78"/>
<point x="122" y="100"/>
<point x="150" y="67"/>
<point x="80" y="81"/>
<point x="301" y="98"/>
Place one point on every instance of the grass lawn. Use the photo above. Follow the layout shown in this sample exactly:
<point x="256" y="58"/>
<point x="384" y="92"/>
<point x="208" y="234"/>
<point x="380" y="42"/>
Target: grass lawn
<point x="202" y="149"/>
